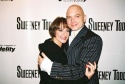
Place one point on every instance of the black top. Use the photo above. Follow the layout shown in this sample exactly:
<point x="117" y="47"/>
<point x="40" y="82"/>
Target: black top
<point x="53" y="51"/>
<point x="55" y="54"/>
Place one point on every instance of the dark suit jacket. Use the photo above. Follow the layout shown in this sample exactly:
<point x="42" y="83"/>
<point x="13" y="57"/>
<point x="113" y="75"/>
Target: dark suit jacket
<point x="56" y="54"/>
<point x="86" y="47"/>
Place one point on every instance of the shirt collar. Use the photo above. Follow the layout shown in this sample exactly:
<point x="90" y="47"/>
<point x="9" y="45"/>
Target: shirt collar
<point x="77" y="31"/>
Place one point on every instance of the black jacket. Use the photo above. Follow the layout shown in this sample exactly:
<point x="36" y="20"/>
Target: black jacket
<point x="55" y="54"/>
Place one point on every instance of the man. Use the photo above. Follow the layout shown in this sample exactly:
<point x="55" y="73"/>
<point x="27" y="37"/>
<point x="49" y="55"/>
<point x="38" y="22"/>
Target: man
<point x="85" y="47"/>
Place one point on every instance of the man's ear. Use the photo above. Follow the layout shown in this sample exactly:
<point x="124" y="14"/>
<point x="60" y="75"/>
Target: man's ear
<point x="85" y="17"/>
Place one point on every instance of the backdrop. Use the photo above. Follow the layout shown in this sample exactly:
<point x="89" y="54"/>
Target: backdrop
<point x="24" y="24"/>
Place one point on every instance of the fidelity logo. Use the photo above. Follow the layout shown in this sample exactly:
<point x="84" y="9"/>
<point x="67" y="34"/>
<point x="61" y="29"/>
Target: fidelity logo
<point x="7" y="48"/>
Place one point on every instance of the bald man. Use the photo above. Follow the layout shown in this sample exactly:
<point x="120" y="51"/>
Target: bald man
<point x="84" y="47"/>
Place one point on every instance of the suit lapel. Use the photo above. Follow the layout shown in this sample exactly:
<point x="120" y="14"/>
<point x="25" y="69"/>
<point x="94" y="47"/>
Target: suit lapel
<point x="81" y="33"/>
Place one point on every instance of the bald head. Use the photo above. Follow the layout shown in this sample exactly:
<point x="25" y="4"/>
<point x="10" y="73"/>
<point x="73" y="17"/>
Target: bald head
<point x="75" y="17"/>
<point x="75" y="7"/>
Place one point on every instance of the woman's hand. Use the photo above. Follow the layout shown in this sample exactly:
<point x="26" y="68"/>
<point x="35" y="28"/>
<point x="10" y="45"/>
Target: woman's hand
<point x="90" y="70"/>
<point x="41" y="58"/>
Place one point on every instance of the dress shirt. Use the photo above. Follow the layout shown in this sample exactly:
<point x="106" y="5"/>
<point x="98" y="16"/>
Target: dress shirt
<point x="73" y="35"/>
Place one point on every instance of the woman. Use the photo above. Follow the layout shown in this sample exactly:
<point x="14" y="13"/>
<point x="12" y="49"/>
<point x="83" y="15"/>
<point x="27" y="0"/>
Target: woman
<point x="53" y="48"/>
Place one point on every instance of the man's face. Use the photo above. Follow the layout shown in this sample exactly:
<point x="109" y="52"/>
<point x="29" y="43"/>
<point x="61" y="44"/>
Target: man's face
<point x="75" y="17"/>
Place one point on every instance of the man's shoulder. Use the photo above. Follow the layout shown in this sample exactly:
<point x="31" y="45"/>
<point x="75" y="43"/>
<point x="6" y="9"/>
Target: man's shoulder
<point x="90" y="34"/>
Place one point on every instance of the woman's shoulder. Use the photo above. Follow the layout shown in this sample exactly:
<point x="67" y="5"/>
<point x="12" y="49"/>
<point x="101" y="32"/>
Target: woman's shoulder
<point x="45" y="44"/>
<point x="49" y="46"/>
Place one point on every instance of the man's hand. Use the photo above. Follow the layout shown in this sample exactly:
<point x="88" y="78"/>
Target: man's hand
<point x="90" y="70"/>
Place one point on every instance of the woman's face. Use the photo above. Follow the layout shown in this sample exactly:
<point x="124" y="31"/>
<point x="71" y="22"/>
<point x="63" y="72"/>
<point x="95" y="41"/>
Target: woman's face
<point x="61" y="35"/>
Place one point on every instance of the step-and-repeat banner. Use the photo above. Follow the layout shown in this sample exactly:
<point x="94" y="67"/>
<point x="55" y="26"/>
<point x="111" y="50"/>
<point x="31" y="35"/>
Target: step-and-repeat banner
<point x="24" y="24"/>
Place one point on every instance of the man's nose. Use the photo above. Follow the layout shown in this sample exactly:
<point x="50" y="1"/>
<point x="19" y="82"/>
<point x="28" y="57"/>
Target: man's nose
<point x="72" y="19"/>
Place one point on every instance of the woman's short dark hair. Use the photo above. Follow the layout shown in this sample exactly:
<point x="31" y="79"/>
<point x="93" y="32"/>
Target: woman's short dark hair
<point x="55" y="25"/>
